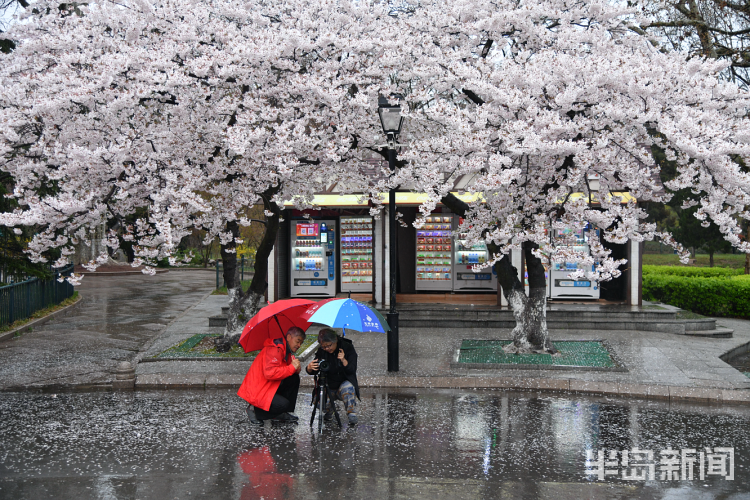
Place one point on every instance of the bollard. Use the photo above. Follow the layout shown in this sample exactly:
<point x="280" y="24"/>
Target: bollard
<point x="124" y="377"/>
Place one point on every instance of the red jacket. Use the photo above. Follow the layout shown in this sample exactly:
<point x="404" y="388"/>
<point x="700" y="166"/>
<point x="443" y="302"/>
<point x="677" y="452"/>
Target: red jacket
<point x="269" y="368"/>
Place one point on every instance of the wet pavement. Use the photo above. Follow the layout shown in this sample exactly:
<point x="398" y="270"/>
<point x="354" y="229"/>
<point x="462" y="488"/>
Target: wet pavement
<point x="437" y="444"/>
<point x="117" y="318"/>
<point x="414" y="439"/>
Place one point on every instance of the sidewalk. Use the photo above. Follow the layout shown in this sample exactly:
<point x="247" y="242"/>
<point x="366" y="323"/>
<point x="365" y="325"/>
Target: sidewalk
<point x="659" y="365"/>
<point x="133" y="318"/>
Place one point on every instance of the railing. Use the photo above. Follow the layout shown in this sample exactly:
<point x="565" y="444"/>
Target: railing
<point x="21" y="300"/>
<point x="220" y="271"/>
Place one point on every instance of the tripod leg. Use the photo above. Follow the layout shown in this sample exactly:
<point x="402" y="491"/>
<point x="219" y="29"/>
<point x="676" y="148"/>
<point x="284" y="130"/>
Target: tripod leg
<point x="322" y="401"/>
<point x="332" y="398"/>
<point x="315" y="407"/>
<point x="314" y="402"/>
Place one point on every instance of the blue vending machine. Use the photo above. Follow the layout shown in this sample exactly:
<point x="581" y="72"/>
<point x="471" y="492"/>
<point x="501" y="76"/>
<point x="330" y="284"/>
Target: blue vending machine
<point x="313" y="260"/>
<point x="561" y="285"/>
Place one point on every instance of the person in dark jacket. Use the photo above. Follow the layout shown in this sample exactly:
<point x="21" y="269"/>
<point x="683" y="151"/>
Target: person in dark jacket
<point x="342" y="375"/>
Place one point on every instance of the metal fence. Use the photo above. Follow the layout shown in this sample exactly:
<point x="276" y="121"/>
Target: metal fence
<point x="21" y="300"/>
<point x="249" y="263"/>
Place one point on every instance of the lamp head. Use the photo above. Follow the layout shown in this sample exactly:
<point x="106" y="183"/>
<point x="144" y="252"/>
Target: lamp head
<point x="390" y="117"/>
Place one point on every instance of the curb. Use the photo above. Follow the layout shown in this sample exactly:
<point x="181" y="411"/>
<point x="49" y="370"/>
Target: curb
<point x="673" y="394"/>
<point x="40" y="321"/>
<point x="121" y="273"/>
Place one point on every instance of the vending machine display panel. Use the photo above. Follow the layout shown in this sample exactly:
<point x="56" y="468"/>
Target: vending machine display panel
<point x="434" y="253"/>
<point x="356" y="254"/>
<point x="313" y="259"/>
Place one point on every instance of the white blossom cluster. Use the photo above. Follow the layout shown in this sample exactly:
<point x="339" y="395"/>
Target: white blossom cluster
<point x="536" y="101"/>
<point x="183" y="112"/>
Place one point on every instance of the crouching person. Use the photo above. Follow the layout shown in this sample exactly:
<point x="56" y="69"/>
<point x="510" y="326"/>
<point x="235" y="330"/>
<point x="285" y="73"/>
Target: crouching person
<point x="342" y="373"/>
<point x="272" y="382"/>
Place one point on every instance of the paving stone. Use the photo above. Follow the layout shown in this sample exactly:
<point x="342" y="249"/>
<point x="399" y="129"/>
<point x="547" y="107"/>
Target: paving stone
<point x="694" y="394"/>
<point x="736" y="396"/>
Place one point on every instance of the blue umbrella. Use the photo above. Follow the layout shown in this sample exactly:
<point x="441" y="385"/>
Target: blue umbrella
<point x="346" y="313"/>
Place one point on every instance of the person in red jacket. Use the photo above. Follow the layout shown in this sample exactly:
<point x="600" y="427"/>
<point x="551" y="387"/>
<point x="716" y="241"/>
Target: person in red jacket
<point x="272" y="382"/>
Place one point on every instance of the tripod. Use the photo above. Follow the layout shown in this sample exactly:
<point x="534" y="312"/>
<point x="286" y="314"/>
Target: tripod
<point x="322" y="394"/>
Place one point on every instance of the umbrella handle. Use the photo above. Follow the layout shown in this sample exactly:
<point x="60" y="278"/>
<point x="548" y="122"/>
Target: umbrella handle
<point x="343" y="331"/>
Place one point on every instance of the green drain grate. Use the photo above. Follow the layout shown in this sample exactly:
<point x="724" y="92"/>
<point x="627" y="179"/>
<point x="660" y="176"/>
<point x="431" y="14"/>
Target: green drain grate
<point x="590" y="354"/>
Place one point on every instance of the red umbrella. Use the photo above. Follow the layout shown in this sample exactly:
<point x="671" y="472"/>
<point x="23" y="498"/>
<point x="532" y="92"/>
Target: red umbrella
<point x="273" y="321"/>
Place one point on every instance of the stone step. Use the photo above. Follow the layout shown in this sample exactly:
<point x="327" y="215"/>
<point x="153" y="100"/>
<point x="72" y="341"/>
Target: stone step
<point x="719" y="333"/>
<point x="220" y="320"/>
<point x="556" y="320"/>
<point x="679" y="327"/>
<point x="504" y="315"/>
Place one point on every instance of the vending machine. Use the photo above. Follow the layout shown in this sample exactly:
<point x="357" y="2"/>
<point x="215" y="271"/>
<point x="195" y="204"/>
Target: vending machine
<point x="561" y="286"/>
<point x="434" y="254"/>
<point x="313" y="258"/>
<point x="465" y="257"/>
<point x="356" y="254"/>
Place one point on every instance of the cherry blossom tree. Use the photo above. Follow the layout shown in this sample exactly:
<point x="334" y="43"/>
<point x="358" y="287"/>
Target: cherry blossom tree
<point x="191" y="111"/>
<point x="186" y="111"/>
<point x="531" y="100"/>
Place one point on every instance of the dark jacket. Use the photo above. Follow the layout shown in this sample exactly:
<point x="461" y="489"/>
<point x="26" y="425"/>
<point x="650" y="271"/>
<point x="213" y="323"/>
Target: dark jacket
<point x="338" y="372"/>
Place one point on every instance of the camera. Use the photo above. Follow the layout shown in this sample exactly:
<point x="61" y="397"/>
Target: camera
<point x="323" y="365"/>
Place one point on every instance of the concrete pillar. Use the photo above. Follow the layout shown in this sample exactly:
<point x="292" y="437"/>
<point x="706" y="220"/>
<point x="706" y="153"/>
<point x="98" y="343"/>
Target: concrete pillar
<point x="272" y="285"/>
<point x="380" y="273"/>
<point x="387" y="267"/>
<point x="634" y="277"/>
<point x="124" y="377"/>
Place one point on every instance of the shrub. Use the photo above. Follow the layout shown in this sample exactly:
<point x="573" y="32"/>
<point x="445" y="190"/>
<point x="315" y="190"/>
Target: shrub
<point x="692" y="272"/>
<point x="711" y="296"/>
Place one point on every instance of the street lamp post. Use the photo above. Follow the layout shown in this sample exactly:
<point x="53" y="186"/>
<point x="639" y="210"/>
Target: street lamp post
<point x="391" y="119"/>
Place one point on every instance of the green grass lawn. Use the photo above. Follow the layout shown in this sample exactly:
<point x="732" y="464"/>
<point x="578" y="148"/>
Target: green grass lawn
<point x="734" y="261"/>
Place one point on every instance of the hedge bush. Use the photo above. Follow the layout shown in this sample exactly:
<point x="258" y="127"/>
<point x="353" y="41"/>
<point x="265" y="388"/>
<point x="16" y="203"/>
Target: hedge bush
<point x="693" y="272"/>
<point x="721" y="295"/>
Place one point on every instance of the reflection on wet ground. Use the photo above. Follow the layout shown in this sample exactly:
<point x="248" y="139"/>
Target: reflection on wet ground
<point x="425" y="444"/>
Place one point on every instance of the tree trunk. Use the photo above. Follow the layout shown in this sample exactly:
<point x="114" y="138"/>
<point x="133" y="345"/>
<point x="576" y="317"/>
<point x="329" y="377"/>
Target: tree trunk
<point x="244" y="305"/>
<point x="530" y="333"/>
<point x="711" y="258"/>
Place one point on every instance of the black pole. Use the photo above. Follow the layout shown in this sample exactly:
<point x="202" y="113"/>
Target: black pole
<point x="392" y="317"/>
